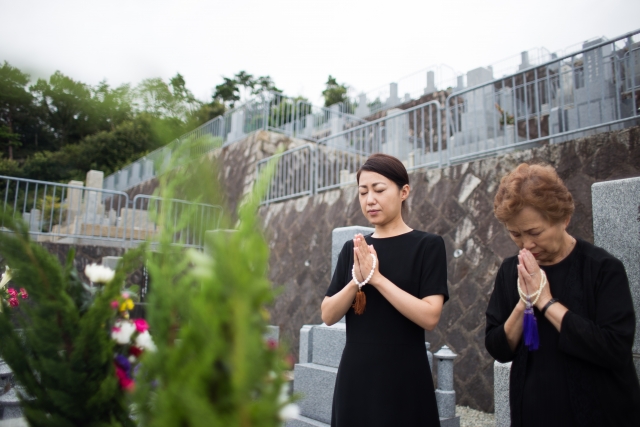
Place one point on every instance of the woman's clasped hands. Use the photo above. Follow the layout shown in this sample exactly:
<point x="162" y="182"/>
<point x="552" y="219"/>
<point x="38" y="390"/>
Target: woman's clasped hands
<point x="363" y="260"/>
<point x="531" y="277"/>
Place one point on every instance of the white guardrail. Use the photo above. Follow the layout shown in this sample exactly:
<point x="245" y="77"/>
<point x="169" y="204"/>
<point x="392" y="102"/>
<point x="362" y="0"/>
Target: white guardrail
<point x="595" y="88"/>
<point x="61" y="211"/>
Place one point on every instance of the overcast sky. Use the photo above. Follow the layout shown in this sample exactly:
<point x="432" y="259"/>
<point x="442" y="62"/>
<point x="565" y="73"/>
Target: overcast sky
<point x="365" y="44"/>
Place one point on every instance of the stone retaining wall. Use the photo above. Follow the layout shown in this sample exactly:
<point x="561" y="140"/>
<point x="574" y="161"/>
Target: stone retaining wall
<point x="457" y="203"/>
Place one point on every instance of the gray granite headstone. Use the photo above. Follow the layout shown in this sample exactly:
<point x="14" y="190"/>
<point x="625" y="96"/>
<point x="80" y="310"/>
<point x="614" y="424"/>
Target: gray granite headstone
<point x="501" y="372"/>
<point x="616" y="228"/>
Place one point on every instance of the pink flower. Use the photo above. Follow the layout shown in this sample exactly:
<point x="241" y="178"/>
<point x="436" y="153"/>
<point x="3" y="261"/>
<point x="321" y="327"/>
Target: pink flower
<point x="115" y="304"/>
<point x="125" y="382"/>
<point x="272" y="344"/>
<point x="12" y="292"/>
<point x="23" y="293"/>
<point x="141" y="325"/>
<point x="13" y="301"/>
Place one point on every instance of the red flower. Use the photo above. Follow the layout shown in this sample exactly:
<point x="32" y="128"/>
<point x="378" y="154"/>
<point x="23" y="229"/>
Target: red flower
<point x="141" y="325"/>
<point x="13" y="302"/>
<point x="272" y="344"/>
<point x="23" y="293"/>
<point x="115" y="304"/>
<point x="135" y="351"/>
<point x="12" y="292"/>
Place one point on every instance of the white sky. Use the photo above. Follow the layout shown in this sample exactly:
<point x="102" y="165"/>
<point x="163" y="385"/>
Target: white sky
<point x="365" y="44"/>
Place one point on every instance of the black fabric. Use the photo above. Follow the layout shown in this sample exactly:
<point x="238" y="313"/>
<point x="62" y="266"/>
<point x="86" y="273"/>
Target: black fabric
<point x="583" y="375"/>
<point x="384" y="378"/>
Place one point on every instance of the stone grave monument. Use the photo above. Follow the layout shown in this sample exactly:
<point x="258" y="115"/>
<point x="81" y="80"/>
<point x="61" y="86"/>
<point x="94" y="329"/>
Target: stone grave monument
<point x="616" y="228"/>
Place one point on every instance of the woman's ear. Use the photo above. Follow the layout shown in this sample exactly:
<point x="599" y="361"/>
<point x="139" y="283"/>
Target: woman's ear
<point x="404" y="193"/>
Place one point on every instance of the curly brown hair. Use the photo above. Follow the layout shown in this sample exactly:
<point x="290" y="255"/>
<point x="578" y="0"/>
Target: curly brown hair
<point x="537" y="186"/>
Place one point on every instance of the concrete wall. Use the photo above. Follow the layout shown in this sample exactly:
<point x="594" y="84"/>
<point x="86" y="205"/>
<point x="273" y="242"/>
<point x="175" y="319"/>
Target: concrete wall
<point x="457" y="203"/>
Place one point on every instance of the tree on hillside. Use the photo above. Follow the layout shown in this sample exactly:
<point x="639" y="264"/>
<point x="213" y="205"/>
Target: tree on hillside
<point x="16" y="107"/>
<point x="68" y="106"/>
<point x="167" y="100"/>
<point x="241" y="87"/>
<point x="334" y="92"/>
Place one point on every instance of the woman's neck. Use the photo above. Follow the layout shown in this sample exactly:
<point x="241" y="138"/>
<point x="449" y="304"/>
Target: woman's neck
<point x="391" y="229"/>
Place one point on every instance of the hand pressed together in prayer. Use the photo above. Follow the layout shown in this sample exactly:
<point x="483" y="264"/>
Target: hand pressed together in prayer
<point x="363" y="262"/>
<point x="530" y="276"/>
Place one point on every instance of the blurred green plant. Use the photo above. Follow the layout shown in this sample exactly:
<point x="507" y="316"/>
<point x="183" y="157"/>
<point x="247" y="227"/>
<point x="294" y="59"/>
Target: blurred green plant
<point x="207" y="312"/>
<point x="62" y="354"/>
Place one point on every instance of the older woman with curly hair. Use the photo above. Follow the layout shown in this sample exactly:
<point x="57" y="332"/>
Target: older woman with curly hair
<point x="561" y="310"/>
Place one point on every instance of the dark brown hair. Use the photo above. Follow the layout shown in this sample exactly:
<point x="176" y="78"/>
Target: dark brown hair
<point x="387" y="166"/>
<point x="537" y="186"/>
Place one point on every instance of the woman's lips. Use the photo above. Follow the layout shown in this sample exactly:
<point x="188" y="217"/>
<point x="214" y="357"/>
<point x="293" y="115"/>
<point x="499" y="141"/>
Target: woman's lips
<point x="373" y="212"/>
<point x="535" y="255"/>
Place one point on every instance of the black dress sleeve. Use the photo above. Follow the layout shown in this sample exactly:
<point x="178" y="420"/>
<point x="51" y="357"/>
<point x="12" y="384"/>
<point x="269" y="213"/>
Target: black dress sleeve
<point x="433" y="280"/>
<point x="500" y="307"/>
<point x="342" y="274"/>
<point x="607" y="340"/>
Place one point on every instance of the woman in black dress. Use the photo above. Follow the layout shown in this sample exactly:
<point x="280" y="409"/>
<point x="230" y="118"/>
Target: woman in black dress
<point x="384" y="378"/>
<point x="579" y="371"/>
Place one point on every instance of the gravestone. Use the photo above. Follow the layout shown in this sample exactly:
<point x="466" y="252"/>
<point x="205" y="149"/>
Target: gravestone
<point x="431" y="83"/>
<point x="501" y="372"/>
<point x="616" y="228"/>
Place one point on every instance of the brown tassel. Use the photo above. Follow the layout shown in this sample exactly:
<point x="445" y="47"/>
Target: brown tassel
<point x="360" y="302"/>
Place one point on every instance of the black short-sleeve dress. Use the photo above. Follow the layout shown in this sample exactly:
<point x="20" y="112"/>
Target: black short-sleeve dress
<point x="384" y="377"/>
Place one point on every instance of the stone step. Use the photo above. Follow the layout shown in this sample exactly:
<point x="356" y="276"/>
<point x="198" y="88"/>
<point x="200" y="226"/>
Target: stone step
<point x="10" y="405"/>
<point x="303" y="422"/>
<point x="315" y="383"/>
<point x="328" y="343"/>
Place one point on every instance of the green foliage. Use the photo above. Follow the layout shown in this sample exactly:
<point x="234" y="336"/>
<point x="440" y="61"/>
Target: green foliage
<point x="63" y="357"/>
<point x="207" y="313"/>
<point x="334" y="92"/>
<point x="106" y="150"/>
<point x="241" y="86"/>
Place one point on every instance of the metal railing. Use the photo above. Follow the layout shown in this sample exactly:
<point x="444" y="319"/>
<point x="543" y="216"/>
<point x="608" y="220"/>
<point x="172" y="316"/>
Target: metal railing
<point x="268" y="111"/>
<point x="57" y="211"/>
<point x="595" y="88"/>
<point x="292" y="175"/>
<point x="413" y="135"/>
<point x="145" y="209"/>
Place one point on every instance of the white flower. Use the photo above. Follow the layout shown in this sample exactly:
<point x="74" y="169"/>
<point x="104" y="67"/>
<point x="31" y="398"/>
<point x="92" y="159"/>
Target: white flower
<point x="132" y="359"/>
<point x="289" y="412"/>
<point x="6" y="277"/>
<point x="144" y="340"/>
<point x="99" y="273"/>
<point x="122" y="332"/>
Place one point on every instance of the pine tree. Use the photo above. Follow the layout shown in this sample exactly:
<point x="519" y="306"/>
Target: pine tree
<point x="63" y="358"/>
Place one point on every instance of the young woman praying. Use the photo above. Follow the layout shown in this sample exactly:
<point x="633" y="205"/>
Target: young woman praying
<point x="391" y="285"/>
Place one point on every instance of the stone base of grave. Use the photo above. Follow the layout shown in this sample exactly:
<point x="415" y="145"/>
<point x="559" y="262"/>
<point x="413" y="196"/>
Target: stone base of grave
<point x="316" y="383"/>
<point x="10" y="405"/>
<point x="305" y="422"/>
<point x="450" y="422"/>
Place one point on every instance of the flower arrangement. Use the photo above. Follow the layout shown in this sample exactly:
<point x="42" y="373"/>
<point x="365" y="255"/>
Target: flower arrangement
<point x="10" y="297"/>
<point x="131" y="336"/>
<point x="509" y="117"/>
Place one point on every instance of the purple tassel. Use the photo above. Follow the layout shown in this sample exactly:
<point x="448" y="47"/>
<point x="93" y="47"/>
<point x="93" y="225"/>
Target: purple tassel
<point x="530" y="328"/>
